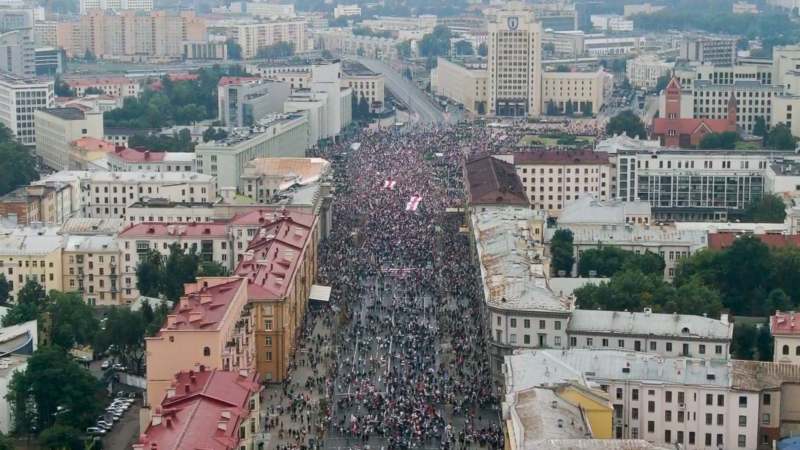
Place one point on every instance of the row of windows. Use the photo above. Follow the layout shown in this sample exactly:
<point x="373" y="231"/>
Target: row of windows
<point x="668" y="347"/>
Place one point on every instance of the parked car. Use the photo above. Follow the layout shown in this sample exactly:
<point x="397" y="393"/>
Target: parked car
<point x="105" y="424"/>
<point x="97" y="431"/>
<point x="106" y="364"/>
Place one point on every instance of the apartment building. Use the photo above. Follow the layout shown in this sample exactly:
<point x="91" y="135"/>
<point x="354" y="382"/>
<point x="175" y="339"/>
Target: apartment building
<point x="280" y="264"/>
<point x="19" y="100"/>
<point x="364" y="83"/>
<point x="280" y="136"/>
<point x="553" y="178"/>
<point x="90" y="265"/>
<point x="463" y="81"/>
<point x="17" y="55"/>
<point x="31" y="253"/>
<point x="243" y="101"/>
<point x="230" y="403"/>
<point x="515" y="71"/>
<point x="345" y="43"/>
<point x="205" y="329"/>
<point x="708" y="185"/>
<point x="123" y="159"/>
<point x="253" y="36"/>
<point x="57" y="128"/>
<point x="587" y="91"/>
<point x="116" y="5"/>
<point x="669" y="401"/>
<point x="113" y="86"/>
<point x="211" y="242"/>
<point x="44" y="33"/>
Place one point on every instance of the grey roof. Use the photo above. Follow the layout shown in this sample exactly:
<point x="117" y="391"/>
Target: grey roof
<point x="639" y="235"/>
<point x="30" y="241"/>
<point x="102" y="243"/>
<point x="565" y="286"/>
<point x="66" y="113"/>
<point x="648" y="324"/>
<point x="512" y="267"/>
<point x="531" y="368"/>
<point x="92" y="226"/>
<point x="589" y="210"/>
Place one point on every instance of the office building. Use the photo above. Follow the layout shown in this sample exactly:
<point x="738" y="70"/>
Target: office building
<point x="279" y="136"/>
<point x="643" y="8"/>
<point x="203" y="407"/>
<point x="346" y="11"/>
<point x="644" y="71"/>
<point x="19" y="99"/>
<point x="709" y="49"/>
<point x="745" y="8"/>
<point x="515" y="43"/>
<point x="345" y="43"/>
<point x="17" y="53"/>
<point x="611" y="22"/>
<point x="205" y="50"/>
<point x="364" y="83"/>
<point x="243" y="101"/>
<point x="45" y="34"/>
<point x="462" y="81"/>
<point x="123" y="159"/>
<point x="683" y="185"/>
<point x="586" y="91"/>
<point x="49" y="61"/>
<point x="254" y="36"/>
<point x="57" y="128"/>
<point x="785" y="330"/>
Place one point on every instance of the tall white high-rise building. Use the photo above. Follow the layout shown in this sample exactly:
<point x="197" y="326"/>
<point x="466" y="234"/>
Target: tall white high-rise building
<point x="515" y="52"/>
<point x="19" y="99"/>
<point x="118" y="5"/>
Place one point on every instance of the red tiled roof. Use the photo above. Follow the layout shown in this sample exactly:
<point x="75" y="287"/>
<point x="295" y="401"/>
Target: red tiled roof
<point x="492" y="181"/>
<point x="135" y="155"/>
<point x="227" y="81"/>
<point x="561" y="157"/>
<point x="205" y="413"/>
<point x="689" y="126"/>
<point x="182" y="229"/>
<point x="785" y="323"/>
<point x="274" y="256"/>
<point x="89" y="82"/>
<point x="204" y="304"/>
<point x="90" y="143"/>
<point x="720" y="241"/>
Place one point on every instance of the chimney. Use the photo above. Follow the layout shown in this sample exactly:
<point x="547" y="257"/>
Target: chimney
<point x="171" y="392"/>
<point x="171" y="319"/>
<point x="226" y="414"/>
<point x="185" y="388"/>
<point x="222" y="426"/>
<point x="147" y="154"/>
<point x="156" y="419"/>
<point x="202" y="368"/>
<point x="169" y="422"/>
<point x="243" y="373"/>
<point x="724" y="318"/>
<point x="193" y="378"/>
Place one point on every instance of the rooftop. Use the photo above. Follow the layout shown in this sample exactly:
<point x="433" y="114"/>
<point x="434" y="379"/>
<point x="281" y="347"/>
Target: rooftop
<point x="228" y="81"/>
<point x="788" y="168"/>
<point x="181" y="229"/>
<point x="759" y="375"/>
<point x="92" y="226"/>
<point x="100" y="243"/>
<point x="634" y="234"/>
<point x="30" y="241"/>
<point x="69" y="113"/>
<point x="589" y="210"/>
<point x="244" y="134"/>
<point x="650" y="324"/>
<point x="292" y="171"/>
<point x="204" y="304"/>
<point x="89" y="82"/>
<point x="513" y="270"/>
<point x="203" y="409"/>
<point x="355" y="68"/>
<point x="127" y="177"/>
<point x="570" y="157"/>
<point x="93" y="144"/>
<point x="532" y="368"/>
<point x="135" y="155"/>
<point x="785" y="323"/>
<point x="273" y="257"/>
<point x="721" y="241"/>
<point x="492" y="181"/>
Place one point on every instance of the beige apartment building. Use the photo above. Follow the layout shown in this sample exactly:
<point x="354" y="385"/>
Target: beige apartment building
<point x="253" y="36"/>
<point x="131" y="35"/>
<point x="586" y="90"/>
<point x="57" y="128"/>
<point x="90" y="267"/>
<point x="514" y="61"/>
<point x="464" y="82"/>
<point x="553" y="178"/>
<point x="112" y="86"/>
<point x="31" y="253"/>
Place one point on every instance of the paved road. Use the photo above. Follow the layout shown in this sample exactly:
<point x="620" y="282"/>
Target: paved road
<point x="405" y="90"/>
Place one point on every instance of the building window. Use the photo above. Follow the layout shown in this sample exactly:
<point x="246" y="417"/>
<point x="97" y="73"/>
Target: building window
<point x="651" y="406"/>
<point x="765" y="419"/>
<point x="206" y="351"/>
<point x="268" y="356"/>
<point x="742" y="401"/>
<point x="742" y="421"/>
<point x="651" y="426"/>
<point x="720" y="400"/>
<point x="767" y="399"/>
<point x="268" y="325"/>
<point x="742" y="440"/>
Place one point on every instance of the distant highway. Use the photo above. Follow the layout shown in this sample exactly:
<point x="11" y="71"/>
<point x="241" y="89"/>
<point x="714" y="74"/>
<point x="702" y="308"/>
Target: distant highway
<point x="406" y="91"/>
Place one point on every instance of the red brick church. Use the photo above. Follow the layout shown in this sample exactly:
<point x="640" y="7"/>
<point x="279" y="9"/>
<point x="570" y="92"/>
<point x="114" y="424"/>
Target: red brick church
<point x="674" y="131"/>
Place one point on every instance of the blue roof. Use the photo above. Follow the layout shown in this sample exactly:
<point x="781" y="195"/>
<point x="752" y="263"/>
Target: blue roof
<point x="792" y="443"/>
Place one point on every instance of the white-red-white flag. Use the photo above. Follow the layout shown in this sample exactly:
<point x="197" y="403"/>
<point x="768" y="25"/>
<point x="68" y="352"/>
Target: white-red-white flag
<point x="389" y="184"/>
<point x="413" y="203"/>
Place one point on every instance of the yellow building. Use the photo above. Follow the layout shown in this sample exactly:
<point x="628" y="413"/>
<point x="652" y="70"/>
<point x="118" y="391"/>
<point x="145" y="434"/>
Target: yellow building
<point x="364" y="82"/>
<point x="464" y="81"/>
<point x="90" y="267"/>
<point x="595" y="406"/>
<point x="32" y="253"/>
<point x="586" y="90"/>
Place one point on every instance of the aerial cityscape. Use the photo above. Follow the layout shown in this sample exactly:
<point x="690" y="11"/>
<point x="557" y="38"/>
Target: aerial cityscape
<point x="399" y="224"/>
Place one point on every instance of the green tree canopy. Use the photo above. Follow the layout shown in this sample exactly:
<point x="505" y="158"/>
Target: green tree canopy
<point x="608" y="260"/>
<point x="280" y="49"/>
<point x="31" y="303"/>
<point x="562" y="251"/>
<point x="725" y="140"/>
<point x="61" y="437"/>
<point x="464" y="48"/>
<point x="769" y="208"/>
<point x="17" y="164"/>
<point x="483" y="49"/>
<point x="627" y="123"/>
<point x="436" y="43"/>
<point x="780" y="138"/>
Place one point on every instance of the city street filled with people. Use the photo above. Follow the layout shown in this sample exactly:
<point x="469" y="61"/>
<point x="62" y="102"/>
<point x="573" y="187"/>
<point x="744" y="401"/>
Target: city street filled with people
<point x="396" y="359"/>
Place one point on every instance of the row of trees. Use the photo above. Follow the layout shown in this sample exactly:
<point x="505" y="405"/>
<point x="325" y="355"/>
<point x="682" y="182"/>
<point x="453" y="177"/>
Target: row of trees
<point x="360" y="108"/>
<point x="177" y="142"/>
<point x="606" y="261"/>
<point x="157" y="276"/>
<point x="174" y="103"/>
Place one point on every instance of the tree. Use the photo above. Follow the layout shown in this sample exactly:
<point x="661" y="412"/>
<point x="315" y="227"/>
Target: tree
<point x="73" y="321"/>
<point x="281" y="49"/>
<point x="53" y="386"/>
<point x="17" y="164"/>
<point x="562" y="68"/>
<point x="214" y="134"/>
<point x="179" y="268"/>
<point x="569" y="108"/>
<point x="31" y="302"/>
<point x="744" y="338"/>
<point x="5" y="289"/>
<point x="404" y="49"/>
<point x="764" y="343"/>
<point x="777" y="300"/>
<point x="483" y="49"/>
<point x="212" y="269"/>
<point x="627" y="123"/>
<point x="61" y="88"/>
<point x="780" y="138"/>
<point x="663" y="81"/>
<point x="363" y="107"/>
<point x="436" y="43"/>
<point x="769" y="208"/>
<point x="61" y="437"/>
<point x="234" y="49"/>
<point x="549" y="47"/>
<point x="760" y="127"/>
<point x="607" y="261"/>
<point x="148" y="274"/>
<point x="125" y="329"/>
<point x="561" y="250"/>
<point x="464" y="48"/>
<point x="89" y="56"/>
